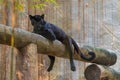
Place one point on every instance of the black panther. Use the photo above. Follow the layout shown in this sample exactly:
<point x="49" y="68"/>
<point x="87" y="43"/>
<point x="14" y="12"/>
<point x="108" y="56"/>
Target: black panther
<point x="52" y="32"/>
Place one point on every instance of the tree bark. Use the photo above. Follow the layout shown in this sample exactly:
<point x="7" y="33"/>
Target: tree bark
<point x="8" y="55"/>
<point x="97" y="72"/>
<point x="29" y="69"/>
<point x="23" y="38"/>
<point x="6" y="71"/>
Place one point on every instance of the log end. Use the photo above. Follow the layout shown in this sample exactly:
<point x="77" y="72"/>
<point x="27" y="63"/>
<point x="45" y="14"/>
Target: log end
<point x="92" y="72"/>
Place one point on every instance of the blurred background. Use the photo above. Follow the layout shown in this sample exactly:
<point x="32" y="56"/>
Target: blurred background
<point x="89" y="22"/>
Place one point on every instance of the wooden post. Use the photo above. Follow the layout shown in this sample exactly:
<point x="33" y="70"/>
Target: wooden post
<point x="8" y="65"/>
<point x="30" y="62"/>
<point x="23" y="38"/>
<point x="97" y="72"/>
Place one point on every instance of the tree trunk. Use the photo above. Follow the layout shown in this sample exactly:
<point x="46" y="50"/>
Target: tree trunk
<point x="23" y="38"/>
<point x="96" y="72"/>
<point x="6" y="71"/>
<point x="8" y="55"/>
<point x="29" y="63"/>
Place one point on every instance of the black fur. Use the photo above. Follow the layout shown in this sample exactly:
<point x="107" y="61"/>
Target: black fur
<point x="52" y="32"/>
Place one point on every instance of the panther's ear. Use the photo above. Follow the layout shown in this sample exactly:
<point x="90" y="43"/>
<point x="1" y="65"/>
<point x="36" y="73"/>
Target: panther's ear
<point x="31" y="17"/>
<point x="42" y="16"/>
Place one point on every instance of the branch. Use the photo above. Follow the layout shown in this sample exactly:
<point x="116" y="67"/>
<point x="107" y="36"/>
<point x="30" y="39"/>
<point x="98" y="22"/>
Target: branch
<point x="22" y="38"/>
<point x="101" y="73"/>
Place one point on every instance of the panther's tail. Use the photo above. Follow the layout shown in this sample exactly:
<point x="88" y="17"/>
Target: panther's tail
<point x="81" y="54"/>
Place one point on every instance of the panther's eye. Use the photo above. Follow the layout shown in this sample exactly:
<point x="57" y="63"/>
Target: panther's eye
<point x="42" y="21"/>
<point x="33" y="22"/>
<point x="38" y="28"/>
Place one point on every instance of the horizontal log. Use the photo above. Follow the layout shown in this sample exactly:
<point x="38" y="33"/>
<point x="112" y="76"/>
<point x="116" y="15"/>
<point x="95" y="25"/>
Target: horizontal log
<point x="23" y="38"/>
<point x="97" y="72"/>
<point x="103" y="56"/>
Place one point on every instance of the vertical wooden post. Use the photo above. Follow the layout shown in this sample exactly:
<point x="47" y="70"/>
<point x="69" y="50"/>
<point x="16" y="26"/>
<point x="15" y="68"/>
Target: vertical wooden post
<point x="6" y="71"/>
<point x="30" y="62"/>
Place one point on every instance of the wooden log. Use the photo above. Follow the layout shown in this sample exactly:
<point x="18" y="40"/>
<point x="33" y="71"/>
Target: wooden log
<point x="97" y="72"/>
<point x="23" y="38"/>
<point x="8" y="64"/>
<point x="103" y="56"/>
<point x="30" y="63"/>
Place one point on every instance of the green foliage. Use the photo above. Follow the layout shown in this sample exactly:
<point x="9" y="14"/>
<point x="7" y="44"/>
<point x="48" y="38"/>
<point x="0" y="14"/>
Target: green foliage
<point x="38" y="4"/>
<point x="41" y="4"/>
<point x="52" y="1"/>
<point x="1" y="1"/>
<point x="19" y="7"/>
